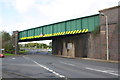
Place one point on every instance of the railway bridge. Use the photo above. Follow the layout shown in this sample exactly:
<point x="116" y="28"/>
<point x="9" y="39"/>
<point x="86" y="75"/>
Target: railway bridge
<point x="80" y="37"/>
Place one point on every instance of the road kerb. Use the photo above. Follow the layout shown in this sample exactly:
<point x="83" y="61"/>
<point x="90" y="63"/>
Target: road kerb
<point x="100" y="60"/>
<point x="112" y="61"/>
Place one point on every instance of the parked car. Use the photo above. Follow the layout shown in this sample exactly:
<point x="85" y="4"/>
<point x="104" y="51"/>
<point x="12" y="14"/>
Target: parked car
<point x="2" y="56"/>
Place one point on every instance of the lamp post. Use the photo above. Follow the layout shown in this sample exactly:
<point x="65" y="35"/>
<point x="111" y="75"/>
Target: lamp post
<point x="107" y="39"/>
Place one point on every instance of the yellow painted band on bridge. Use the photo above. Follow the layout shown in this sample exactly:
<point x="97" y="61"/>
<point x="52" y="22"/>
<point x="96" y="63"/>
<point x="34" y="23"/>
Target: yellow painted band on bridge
<point x="56" y="34"/>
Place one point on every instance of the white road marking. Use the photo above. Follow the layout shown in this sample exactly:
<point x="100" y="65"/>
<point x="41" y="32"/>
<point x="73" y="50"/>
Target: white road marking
<point x="111" y="71"/>
<point x="49" y="70"/>
<point x="13" y="58"/>
<point x="67" y="63"/>
<point x="61" y="76"/>
<point x="103" y="71"/>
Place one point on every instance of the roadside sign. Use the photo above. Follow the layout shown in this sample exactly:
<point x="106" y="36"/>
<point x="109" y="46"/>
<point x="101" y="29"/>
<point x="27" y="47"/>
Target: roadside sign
<point x="69" y="45"/>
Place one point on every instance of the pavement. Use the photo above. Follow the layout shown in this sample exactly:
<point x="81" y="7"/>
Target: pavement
<point x="49" y="66"/>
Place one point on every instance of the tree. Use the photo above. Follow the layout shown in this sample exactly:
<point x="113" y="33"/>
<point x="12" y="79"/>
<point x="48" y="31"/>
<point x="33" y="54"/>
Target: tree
<point x="44" y="45"/>
<point x="34" y="45"/>
<point x="40" y="45"/>
<point x="31" y="45"/>
<point x="26" y="46"/>
<point x="21" y="45"/>
<point x="7" y="42"/>
<point x="50" y="45"/>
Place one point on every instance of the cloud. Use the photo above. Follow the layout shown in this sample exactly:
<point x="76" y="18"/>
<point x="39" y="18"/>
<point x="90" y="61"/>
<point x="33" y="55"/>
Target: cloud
<point x="16" y="26"/>
<point x="34" y="13"/>
<point x="64" y="9"/>
<point x="1" y="21"/>
<point x="41" y="12"/>
<point x="24" y="5"/>
<point x="7" y="3"/>
<point x="67" y="9"/>
<point x="21" y="6"/>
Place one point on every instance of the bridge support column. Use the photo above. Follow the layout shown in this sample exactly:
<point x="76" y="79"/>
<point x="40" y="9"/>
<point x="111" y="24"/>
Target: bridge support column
<point x="15" y="42"/>
<point x="64" y="50"/>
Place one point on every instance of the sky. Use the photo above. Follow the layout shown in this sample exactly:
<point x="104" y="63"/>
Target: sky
<point x="24" y="14"/>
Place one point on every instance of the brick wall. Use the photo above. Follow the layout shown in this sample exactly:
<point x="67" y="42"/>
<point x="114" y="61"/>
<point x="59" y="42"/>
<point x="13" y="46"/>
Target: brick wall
<point x="112" y="14"/>
<point x="89" y="44"/>
<point x="79" y="45"/>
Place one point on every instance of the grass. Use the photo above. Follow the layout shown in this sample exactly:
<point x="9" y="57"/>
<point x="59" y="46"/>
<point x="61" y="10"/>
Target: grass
<point x="8" y="54"/>
<point x="22" y="51"/>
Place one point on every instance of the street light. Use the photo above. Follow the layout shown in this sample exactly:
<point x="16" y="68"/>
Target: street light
<point x="107" y="39"/>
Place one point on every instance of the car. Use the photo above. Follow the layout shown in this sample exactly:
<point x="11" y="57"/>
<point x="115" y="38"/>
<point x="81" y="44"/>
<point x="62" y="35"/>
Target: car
<point x="2" y="56"/>
<point x="49" y="50"/>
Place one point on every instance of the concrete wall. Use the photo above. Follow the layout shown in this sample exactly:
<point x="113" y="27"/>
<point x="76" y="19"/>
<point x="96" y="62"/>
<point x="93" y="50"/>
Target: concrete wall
<point x="92" y="45"/>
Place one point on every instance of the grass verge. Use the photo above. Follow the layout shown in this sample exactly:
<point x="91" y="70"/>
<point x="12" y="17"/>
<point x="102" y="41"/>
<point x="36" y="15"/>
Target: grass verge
<point x="8" y="54"/>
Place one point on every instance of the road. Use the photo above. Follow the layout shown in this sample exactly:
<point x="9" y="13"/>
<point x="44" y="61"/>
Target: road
<point x="37" y="51"/>
<point x="49" y="66"/>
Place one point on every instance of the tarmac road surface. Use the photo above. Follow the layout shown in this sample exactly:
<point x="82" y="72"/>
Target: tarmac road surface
<point x="49" y="66"/>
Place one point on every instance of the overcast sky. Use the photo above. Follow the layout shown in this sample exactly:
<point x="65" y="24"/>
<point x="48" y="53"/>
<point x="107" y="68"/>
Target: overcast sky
<point x="25" y="14"/>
